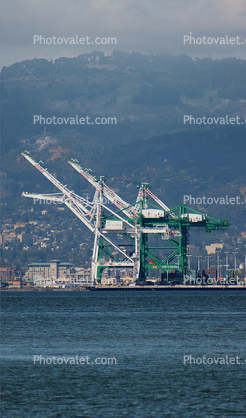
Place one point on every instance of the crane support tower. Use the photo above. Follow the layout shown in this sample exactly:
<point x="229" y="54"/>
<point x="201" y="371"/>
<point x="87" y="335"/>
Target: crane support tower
<point x="122" y="237"/>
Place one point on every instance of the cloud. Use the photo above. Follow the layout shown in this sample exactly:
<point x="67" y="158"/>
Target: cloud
<point x="146" y="26"/>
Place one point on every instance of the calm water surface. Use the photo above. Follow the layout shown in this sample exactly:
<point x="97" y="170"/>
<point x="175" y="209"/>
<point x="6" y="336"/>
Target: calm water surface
<point x="148" y="333"/>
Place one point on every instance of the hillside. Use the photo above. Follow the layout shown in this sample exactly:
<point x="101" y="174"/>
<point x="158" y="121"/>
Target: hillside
<point x="149" y="96"/>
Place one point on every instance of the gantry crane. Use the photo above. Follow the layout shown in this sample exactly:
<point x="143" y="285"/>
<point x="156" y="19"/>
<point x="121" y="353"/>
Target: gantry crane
<point x="134" y="223"/>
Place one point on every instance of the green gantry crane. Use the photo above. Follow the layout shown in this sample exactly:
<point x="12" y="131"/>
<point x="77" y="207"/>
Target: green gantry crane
<point x="122" y="238"/>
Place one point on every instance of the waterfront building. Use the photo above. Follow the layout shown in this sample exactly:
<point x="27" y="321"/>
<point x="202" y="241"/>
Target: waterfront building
<point x="56" y="273"/>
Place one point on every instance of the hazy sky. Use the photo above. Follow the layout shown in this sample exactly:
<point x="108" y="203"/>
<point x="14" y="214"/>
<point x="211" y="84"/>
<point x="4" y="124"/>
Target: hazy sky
<point x="138" y="25"/>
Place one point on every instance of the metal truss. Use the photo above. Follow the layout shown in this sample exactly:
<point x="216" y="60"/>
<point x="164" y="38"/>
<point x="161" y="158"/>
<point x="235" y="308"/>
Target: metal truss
<point x="135" y="223"/>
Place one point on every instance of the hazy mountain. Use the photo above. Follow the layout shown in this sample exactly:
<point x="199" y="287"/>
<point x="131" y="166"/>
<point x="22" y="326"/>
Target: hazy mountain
<point x="148" y="95"/>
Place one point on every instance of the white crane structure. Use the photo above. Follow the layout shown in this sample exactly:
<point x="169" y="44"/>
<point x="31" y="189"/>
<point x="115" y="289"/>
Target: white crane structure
<point x="106" y="223"/>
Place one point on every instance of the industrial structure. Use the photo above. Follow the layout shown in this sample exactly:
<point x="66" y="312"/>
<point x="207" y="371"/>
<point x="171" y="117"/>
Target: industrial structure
<point x="142" y="236"/>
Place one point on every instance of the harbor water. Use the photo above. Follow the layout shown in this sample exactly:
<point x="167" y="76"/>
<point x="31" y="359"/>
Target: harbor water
<point x="123" y="354"/>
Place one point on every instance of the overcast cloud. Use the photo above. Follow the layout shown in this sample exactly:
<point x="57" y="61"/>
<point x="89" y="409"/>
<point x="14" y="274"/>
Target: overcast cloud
<point x="139" y="25"/>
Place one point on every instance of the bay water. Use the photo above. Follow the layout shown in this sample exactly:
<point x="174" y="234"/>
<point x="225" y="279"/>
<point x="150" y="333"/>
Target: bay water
<point x="123" y="354"/>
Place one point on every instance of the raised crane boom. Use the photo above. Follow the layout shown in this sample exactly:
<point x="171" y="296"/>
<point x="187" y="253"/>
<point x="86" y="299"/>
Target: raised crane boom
<point x="160" y="203"/>
<point x="76" y="203"/>
<point x="107" y="192"/>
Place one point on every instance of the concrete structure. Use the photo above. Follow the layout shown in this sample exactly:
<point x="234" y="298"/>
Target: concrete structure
<point x="109" y="281"/>
<point x="56" y="273"/>
<point x="211" y="248"/>
<point x="126" y="280"/>
<point x="9" y="274"/>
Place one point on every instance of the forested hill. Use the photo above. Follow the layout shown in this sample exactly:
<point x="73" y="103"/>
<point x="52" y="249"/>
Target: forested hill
<point x="148" y="95"/>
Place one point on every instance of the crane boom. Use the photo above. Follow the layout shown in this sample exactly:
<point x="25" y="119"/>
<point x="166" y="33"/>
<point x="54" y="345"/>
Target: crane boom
<point x="73" y="201"/>
<point x="108" y="193"/>
<point x="160" y="203"/>
<point x="139" y="198"/>
<point x="76" y="198"/>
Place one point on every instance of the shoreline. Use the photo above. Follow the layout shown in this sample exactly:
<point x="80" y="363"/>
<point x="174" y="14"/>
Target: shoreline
<point x="125" y="288"/>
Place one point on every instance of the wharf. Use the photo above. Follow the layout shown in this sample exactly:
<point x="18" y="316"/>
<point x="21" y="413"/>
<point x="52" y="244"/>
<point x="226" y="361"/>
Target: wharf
<point x="124" y="288"/>
<point x="167" y="288"/>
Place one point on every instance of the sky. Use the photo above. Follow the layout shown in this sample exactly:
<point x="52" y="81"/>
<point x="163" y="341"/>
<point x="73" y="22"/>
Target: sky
<point x="147" y="26"/>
